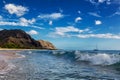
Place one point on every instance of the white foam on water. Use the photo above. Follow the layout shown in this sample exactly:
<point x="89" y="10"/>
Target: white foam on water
<point x="58" y="52"/>
<point x="29" y="52"/>
<point x="7" y="69"/>
<point x="5" y="65"/>
<point x="99" y="58"/>
<point x="20" y="55"/>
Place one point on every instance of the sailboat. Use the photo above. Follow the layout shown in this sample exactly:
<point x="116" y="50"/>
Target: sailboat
<point x="96" y="49"/>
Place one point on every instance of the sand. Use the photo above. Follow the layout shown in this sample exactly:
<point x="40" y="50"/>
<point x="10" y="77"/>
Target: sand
<point x="5" y="56"/>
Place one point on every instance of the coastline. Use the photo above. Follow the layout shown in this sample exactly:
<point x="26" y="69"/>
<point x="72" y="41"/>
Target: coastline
<point x="11" y="49"/>
<point x="15" y="49"/>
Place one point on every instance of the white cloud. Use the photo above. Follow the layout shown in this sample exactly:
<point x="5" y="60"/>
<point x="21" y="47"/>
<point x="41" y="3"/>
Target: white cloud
<point x="85" y="33"/>
<point x="3" y="23"/>
<point x="63" y="31"/>
<point x="21" y="22"/>
<point x="38" y="27"/>
<point x="32" y="32"/>
<point x="25" y="22"/>
<point x="101" y="1"/>
<point x="98" y="22"/>
<point x="50" y="22"/>
<point x="78" y="19"/>
<point x="97" y="2"/>
<point x="52" y="16"/>
<point x="115" y="1"/>
<point x="92" y="1"/>
<point x="116" y="13"/>
<point x="16" y="9"/>
<point x="107" y="36"/>
<point x="94" y="14"/>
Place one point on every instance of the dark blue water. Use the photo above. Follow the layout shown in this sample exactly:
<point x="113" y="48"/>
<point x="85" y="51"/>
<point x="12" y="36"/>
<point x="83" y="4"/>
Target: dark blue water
<point x="65" y="65"/>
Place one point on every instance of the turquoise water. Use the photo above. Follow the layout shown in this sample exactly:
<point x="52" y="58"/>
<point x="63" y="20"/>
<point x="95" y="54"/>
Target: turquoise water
<point x="65" y="65"/>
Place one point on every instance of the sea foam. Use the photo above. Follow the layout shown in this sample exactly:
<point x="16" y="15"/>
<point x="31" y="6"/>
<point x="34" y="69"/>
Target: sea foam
<point x="98" y="58"/>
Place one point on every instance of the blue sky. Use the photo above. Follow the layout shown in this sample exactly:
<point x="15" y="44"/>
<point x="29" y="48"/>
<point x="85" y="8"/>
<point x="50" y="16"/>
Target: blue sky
<point x="68" y="24"/>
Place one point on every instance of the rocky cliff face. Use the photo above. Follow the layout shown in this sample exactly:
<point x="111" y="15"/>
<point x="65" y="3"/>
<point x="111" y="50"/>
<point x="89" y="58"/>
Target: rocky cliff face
<point x="46" y="44"/>
<point x="20" y="39"/>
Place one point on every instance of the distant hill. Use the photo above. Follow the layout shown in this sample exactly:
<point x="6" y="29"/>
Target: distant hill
<point x="20" y="39"/>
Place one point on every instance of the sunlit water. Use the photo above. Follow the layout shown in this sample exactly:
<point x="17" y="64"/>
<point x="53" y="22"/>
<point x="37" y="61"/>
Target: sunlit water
<point x="62" y="65"/>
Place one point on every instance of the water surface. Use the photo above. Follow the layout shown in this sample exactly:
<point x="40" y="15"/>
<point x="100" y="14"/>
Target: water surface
<point x="65" y="65"/>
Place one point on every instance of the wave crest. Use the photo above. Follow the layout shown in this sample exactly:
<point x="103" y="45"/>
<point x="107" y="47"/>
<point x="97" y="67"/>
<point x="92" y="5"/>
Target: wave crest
<point x="93" y="58"/>
<point x="99" y="58"/>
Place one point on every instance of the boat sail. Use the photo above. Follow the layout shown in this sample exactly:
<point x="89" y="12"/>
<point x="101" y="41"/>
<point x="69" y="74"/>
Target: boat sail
<point x="96" y="49"/>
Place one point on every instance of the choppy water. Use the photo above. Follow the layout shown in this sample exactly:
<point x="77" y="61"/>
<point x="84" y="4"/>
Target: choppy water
<point x="65" y="65"/>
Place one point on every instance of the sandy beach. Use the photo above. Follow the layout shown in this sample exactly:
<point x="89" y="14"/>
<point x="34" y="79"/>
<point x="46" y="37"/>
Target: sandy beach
<point x="5" y="56"/>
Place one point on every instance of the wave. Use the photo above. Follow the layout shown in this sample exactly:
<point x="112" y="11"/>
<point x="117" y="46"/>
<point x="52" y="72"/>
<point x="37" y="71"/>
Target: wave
<point x="93" y="58"/>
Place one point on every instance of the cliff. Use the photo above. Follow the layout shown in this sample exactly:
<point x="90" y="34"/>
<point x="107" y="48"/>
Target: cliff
<point x="46" y="44"/>
<point x="20" y="39"/>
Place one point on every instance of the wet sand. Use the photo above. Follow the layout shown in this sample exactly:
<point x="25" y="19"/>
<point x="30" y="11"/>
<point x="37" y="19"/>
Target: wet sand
<point x="5" y="56"/>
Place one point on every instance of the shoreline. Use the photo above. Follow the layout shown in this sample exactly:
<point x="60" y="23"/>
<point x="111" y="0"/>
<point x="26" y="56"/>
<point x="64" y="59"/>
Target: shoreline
<point x="16" y="49"/>
<point x="23" y="49"/>
<point x="5" y="56"/>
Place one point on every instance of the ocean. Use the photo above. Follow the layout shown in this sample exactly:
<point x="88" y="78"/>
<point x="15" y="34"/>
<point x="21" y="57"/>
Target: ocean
<point x="65" y="65"/>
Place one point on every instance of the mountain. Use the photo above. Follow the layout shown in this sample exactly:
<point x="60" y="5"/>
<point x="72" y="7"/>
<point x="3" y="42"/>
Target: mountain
<point x="20" y="39"/>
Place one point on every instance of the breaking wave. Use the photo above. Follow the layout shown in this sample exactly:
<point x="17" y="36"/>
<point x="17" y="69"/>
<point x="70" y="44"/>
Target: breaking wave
<point x="93" y="58"/>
